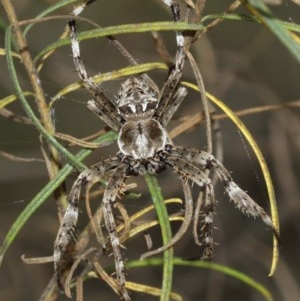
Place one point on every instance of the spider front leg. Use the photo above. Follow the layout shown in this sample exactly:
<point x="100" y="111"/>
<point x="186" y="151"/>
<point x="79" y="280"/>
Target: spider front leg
<point x="171" y="85"/>
<point x="79" y="9"/>
<point x="65" y="241"/>
<point x="108" y="111"/>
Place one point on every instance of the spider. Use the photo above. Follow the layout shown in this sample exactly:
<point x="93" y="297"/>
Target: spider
<point x="140" y="118"/>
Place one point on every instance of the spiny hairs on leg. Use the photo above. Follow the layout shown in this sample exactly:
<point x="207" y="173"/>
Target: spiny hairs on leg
<point x="192" y="172"/>
<point x="239" y="197"/>
<point x="65" y="241"/>
<point x="66" y="237"/>
<point x="208" y="222"/>
<point x="113" y="188"/>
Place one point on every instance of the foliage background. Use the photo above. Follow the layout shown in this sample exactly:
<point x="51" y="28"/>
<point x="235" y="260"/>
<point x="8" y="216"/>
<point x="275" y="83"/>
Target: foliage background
<point x="244" y="65"/>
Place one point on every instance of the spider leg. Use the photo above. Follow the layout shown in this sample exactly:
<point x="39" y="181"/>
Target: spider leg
<point x="177" y="99"/>
<point x="108" y="111"/>
<point x="239" y="197"/>
<point x="190" y="171"/>
<point x="207" y="222"/>
<point x="65" y="241"/>
<point x="171" y="85"/>
<point x="79" y="9"/>
<point x="184" y="226"/>
<point x="113" y="188"/>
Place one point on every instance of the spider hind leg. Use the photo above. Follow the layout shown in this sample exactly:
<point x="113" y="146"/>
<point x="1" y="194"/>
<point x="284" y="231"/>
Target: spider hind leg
<point x="192" y="163"/>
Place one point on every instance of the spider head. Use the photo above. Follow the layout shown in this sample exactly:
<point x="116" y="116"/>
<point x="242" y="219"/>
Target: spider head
<point x="136" y="99"/>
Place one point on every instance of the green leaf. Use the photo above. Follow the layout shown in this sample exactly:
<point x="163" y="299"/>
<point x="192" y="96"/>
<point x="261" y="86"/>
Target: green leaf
<point x="262" y="12"/>
<point x="243" y="17"/>
<point x="163" y="217"/>
<point x="206" y="265"/>
<point x="122" y="29"/>
<point x="49" y="10"/>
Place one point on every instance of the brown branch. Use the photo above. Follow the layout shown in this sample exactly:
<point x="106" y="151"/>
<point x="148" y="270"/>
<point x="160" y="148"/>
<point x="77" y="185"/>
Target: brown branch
<point x="35" y="82"/>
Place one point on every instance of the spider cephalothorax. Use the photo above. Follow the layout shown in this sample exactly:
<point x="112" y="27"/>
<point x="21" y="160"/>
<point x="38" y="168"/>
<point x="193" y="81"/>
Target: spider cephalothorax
<point x="140" y="119"/>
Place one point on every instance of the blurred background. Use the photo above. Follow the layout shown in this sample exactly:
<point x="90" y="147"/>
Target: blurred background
<point x="242" y="64"/>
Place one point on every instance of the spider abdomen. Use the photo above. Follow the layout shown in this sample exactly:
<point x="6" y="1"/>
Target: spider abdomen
<point x="142" y="139"/>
